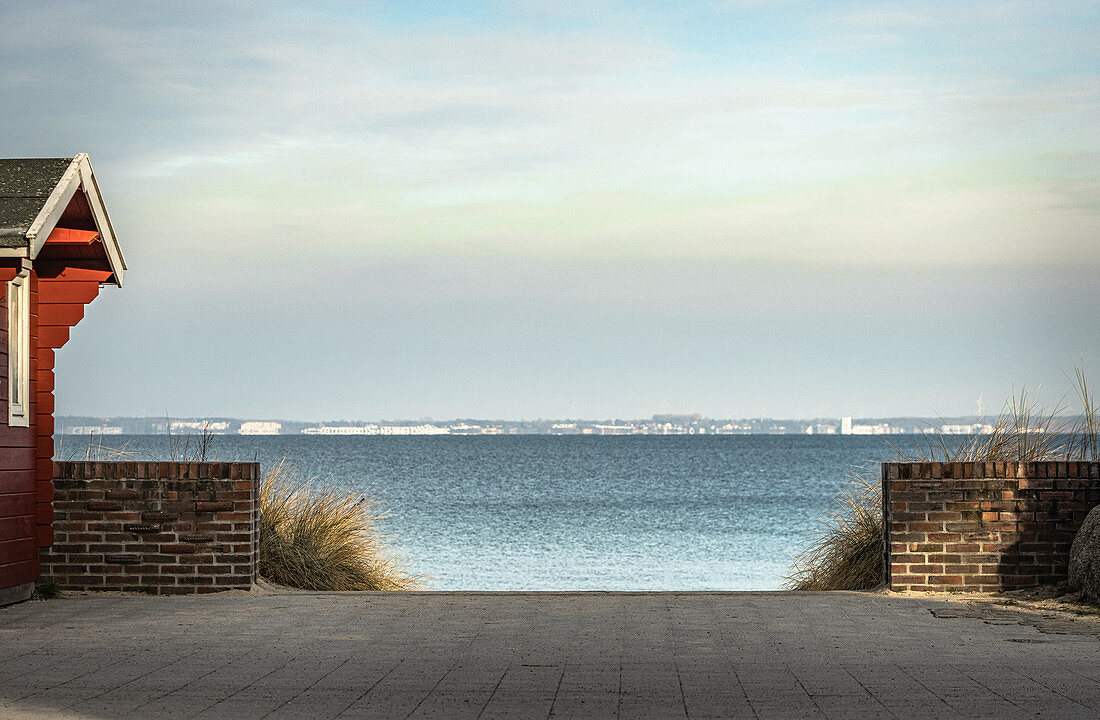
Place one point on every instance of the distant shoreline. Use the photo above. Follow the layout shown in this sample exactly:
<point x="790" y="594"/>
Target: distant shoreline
<point x="659" y="425"/>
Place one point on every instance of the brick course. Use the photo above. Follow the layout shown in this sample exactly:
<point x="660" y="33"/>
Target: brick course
<point x="983" y="526"/>
<point x="157" y="527"/>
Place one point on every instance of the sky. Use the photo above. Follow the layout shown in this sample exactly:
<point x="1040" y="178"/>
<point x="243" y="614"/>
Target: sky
<point x="536" y="209"/>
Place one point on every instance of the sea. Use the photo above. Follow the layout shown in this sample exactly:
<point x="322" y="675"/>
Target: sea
<point x="539" y="512"/>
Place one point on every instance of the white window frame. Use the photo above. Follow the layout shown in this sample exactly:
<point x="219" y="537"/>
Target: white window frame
<point x="19" y="350"/>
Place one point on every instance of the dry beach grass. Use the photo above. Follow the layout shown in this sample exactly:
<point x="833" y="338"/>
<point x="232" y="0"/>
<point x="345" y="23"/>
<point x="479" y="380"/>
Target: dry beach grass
<point x="320" y="537"/>
<point x="848" y="553"/>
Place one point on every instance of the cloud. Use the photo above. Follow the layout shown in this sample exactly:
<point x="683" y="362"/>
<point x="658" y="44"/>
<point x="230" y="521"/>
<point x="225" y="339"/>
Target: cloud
<point x="230" y="130"/>
<point x="504" y="209"/>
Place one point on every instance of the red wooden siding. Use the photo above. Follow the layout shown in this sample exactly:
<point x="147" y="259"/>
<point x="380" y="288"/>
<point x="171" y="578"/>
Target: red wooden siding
<point x="61" y="296"/>
<point x="19" y="496"/>
<point x="26" y="453"/>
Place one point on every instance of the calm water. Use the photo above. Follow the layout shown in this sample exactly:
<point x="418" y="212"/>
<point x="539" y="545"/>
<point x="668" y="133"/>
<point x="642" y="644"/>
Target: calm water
<point x="578" y="513"/>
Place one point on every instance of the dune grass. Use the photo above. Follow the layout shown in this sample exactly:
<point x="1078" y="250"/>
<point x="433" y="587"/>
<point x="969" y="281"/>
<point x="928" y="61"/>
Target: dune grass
<point x="847" y="555"/>
<point x="848" y="552"/>
<point x="1024" y="431"/>
<point x="321" y="537"/>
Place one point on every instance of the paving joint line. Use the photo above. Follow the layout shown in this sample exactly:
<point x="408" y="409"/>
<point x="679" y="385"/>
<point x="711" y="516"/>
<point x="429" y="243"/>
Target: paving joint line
<point x="1008" y="700"/>
<point x="139" y="677"/>
<point x="244" y="687"/>
<point x="189" y="682"/>
<point x="491" y="695"/>
<point x="69" y="680"/>
<point x="429" y="694"/>
<point x="802" y="685"/>
<point x="744" y="692"/>
<point x="373" y="686"/>
<point x="557" y="689"/>
<point x="306" y="689"/>
<point x="874" y="697"/>
<point x="1028" y="677"/>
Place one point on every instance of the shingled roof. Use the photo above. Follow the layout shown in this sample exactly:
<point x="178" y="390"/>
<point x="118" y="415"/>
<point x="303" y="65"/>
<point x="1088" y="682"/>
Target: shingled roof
<point x="38" y="195"/>
<point x="25" y="185"/>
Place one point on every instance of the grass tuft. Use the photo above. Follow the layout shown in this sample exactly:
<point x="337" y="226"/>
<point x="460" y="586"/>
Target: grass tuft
<point x="848" y="553"/>
<point x="46" y="590"/>
<point x="1023" y="431"/>
<point x="320" y="537"/>
<point x="1087" y="431"/>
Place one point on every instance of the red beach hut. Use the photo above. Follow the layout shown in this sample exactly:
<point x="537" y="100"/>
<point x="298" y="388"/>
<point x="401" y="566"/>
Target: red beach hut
<point x="57" y="248"/>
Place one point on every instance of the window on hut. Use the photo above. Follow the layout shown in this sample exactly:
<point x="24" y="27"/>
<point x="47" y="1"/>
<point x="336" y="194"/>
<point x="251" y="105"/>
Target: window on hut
<point x="19" y="350"/>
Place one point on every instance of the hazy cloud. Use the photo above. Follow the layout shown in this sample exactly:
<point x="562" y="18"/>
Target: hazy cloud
<point x="464" y="138"/>
<point x="454" y="156"/>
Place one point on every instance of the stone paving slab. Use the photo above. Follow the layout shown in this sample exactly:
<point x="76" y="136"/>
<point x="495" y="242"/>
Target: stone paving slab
<point x="543" y="655"/>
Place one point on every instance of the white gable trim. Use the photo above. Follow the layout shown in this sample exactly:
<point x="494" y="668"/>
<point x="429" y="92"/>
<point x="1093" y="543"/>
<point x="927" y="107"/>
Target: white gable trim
<point x="78" y="176"/>
<point x="102" y="220"/>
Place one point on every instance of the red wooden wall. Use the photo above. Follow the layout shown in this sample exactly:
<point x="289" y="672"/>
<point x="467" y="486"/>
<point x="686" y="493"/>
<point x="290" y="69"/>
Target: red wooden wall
<point x="61" y="297"/>
<point x="18" y="463"/>
<point x="58" y="297"/>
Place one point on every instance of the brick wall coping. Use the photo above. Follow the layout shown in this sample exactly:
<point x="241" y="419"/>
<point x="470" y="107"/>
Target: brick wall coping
<point x="156" y="470"/>
<point x="989" y="470"/>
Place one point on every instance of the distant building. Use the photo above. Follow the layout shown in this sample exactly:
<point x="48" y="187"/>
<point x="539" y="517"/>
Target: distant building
<point x="342" y="430"/>
<point x="260" y="427"/>
<point x="94" y="430"/>
<point x="200" y="425"/>
<point x="614" y="429"/>
<point x="879" y="429"/>
<point x="974" y="429"/>
<point x="412" y="430"/>
<point x="845" y="426"/>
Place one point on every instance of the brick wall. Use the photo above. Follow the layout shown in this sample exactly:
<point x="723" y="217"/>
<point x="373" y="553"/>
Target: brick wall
<point x="159" y="527"/>
<point x="983" y="526"/>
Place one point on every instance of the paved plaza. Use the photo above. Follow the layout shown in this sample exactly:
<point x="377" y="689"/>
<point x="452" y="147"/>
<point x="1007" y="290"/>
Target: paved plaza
<point x="543" y="655"/>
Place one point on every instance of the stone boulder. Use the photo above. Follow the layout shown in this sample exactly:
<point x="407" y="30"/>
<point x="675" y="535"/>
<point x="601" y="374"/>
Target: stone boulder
<point x="1084" y="558"/>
